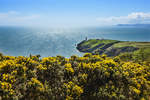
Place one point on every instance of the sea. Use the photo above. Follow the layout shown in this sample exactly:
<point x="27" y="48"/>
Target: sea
<point x="23" y="41"/>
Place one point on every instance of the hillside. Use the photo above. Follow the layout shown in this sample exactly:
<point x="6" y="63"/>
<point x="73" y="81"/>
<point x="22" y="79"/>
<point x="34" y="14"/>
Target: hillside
<point x="114" y="47"/>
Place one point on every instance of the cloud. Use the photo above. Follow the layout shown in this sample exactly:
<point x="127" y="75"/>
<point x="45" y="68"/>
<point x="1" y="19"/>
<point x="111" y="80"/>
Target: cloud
<point x="16" y="18"/>
<point x="133" y="18"/>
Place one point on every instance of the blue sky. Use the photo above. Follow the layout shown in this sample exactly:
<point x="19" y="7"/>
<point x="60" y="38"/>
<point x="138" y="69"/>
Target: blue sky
<point x="73" y="12"/>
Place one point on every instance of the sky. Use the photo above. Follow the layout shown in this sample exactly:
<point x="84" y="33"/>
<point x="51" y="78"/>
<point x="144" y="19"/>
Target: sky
<point x="73" y="13"/>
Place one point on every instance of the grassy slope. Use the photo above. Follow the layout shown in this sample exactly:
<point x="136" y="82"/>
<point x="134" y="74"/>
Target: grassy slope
<point x="95" y="42"/>
<point x="134" y="44"/>
<point x="143" y="46"/>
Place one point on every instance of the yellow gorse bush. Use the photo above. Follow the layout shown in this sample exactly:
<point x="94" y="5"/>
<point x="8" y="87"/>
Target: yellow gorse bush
<point x="91" y="77"/>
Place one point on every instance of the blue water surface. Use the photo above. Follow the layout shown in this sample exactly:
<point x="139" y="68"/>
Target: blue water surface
<point x="21" y="41"/>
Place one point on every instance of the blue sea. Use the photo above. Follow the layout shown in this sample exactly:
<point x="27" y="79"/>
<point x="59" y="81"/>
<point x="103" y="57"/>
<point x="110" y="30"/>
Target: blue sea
<point x="23" y="41"/>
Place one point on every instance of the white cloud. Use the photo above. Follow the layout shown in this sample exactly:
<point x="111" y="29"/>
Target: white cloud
<point x="16" y="18"/>
<point x="20" y="19"/>
<point x="133" y="18"/>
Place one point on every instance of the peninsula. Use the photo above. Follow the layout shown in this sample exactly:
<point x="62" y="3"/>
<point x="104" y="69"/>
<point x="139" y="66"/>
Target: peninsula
<point x="114" y="47"/>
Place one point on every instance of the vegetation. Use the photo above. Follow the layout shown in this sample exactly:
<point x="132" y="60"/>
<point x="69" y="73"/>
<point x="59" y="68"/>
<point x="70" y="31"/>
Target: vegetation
<point x="138" y="50"/>
<point x="91" y="77"/>
<point x="134" y="44"/>
<point x="92" y="44"/>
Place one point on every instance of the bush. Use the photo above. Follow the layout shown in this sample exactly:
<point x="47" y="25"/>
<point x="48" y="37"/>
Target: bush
<point x="88" y="77"/>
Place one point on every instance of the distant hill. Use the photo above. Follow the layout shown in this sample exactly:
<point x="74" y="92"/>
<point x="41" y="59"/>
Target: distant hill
<point x="136" y="25"/>
<point x="115" y="47"/>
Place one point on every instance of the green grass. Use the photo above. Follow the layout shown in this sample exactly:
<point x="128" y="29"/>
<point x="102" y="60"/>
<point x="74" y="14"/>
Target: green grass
<point x="95" y="42"/>
<point x="134" y="44"/>
<point x="144" y="47"/>
<point x="142" y="53"/>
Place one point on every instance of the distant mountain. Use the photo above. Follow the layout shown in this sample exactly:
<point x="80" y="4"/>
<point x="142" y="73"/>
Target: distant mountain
<point x="136" y="25"/>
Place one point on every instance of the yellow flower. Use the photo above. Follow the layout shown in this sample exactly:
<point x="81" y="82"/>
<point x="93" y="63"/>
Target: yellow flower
<point x="72" y="88"/>
<point x="83" y="77"/>
<point x="77" y="90"/>
<point x="40" y="67"/>
<point x="136" y="91"/>
<point x="69" y="98"/>
<point x="37" y="84"/>
<point x="5" y="85"/>
<point x="142" y="98"/>
<point x="68" y="68"/>
<point x="126" y="73"/>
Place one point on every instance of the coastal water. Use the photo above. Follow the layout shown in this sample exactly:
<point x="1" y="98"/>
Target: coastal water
<point x="18" y="41"/>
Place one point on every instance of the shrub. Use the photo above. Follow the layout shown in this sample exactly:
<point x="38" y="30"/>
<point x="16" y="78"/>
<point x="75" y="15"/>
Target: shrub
<point x="88" y="77"/>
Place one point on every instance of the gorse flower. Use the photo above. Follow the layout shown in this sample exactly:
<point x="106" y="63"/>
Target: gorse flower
<point x="72" y="89"/>
<point x="74" y="78"/>
<point x="68" y="68"/>
<point x="36" y="84"/>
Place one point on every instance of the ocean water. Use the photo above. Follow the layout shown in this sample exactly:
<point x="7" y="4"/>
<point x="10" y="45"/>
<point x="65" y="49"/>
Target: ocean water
<point x="21" y="41"/>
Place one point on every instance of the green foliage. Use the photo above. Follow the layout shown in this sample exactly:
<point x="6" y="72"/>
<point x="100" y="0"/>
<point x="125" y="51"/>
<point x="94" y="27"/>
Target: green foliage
<point x="91" y="77"/>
